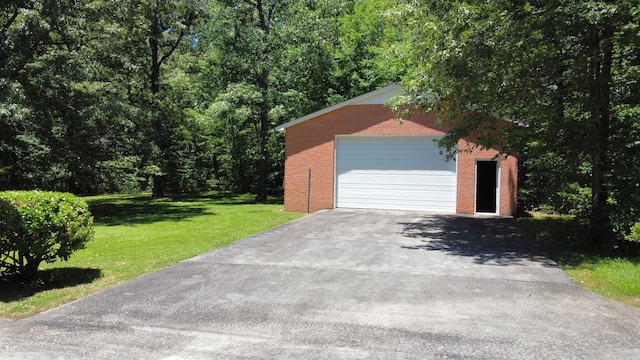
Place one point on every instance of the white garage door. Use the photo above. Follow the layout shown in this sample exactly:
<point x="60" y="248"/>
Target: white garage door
<point x="394" y="172"/>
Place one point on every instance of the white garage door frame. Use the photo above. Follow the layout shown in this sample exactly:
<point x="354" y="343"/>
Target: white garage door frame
<point x="439" y="196"/>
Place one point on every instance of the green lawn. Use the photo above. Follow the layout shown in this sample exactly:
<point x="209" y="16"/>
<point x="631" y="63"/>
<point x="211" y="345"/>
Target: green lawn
<point x="615" y="275"/>
<point x="135" y="235"/>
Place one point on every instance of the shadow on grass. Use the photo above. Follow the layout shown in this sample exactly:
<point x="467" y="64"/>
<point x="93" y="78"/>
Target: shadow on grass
<point x="564" y="238"/>
<point x="142" y="209"/>
<point x="223" y="198"/>
<point x="58" y="278"/>
<point x="489" y="241"/>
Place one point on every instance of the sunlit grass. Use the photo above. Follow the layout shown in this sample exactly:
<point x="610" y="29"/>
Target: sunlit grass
<point x="135" y="235"/>
<point x="616" y="276"/>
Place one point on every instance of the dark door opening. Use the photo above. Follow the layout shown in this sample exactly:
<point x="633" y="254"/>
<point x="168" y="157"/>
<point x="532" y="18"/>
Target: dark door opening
<point x="486" y="186"/>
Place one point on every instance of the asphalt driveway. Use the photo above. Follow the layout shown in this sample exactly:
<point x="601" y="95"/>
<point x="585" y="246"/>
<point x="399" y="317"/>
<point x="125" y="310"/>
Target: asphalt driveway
<point x="344" y="284"/>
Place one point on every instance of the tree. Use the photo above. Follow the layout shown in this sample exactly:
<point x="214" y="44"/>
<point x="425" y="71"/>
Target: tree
<point x="47" y="88"/>
<point x="236" y="129"/>
<point x="282" y="50"/>
<point x="107" y="96"/>
<point x="563" y="69"/>
<point x="162" y="25"/>
<point x="366" y="56"/>
<point x="252" y="42"/>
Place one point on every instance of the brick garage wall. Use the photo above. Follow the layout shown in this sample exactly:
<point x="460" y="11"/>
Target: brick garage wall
<point x="465" y="202"/>
<point x="311" y="144"/>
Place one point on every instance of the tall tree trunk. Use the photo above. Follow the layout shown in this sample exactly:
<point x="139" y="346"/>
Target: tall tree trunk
<point x="600" y="228"/>
<point x="263" y="166"/>
<point x="156" y="121"/>
<point x="265" y="16"/>
<point x="263" y="162"/>
<point x="157" y="28"/>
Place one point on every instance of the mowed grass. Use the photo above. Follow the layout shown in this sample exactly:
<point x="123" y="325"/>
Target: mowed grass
<point x="135" y="235"/>
<point x="615" y="275"/>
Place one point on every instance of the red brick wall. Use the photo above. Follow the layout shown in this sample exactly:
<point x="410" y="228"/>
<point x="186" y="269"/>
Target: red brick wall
<point x="465" y="202"/>
<point x="311" y="143"/>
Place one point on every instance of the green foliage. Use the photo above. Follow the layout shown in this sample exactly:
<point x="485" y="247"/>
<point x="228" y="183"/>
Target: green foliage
<point x="236" y="122"/>
<point x="37" y="226"/>
<point x="634" y="235"/>
<point x="117" y="96"/>
<point x="573" y="199"/>
<point x="120" y="176"/>
<point x="371" y="49"/>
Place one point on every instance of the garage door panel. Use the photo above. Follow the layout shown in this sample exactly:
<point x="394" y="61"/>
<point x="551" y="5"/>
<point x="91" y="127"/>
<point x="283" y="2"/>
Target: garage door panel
<point x="412" y="157"/>
<point x="427" y="192"/>
<point x="394" y="173"/>
<point x="398" y="184"/>
<point x="398" y="177"/>
<point x="415" y="203"/>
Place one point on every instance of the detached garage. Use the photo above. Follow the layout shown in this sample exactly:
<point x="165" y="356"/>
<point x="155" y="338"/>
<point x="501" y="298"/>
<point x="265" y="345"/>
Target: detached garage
<point x="356" y="155"/>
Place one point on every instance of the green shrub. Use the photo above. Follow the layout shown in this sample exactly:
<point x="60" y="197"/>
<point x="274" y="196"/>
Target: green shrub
<point x="573" y="199"/>
<point x="37" y="226"/>
<point x="635" y="233"/>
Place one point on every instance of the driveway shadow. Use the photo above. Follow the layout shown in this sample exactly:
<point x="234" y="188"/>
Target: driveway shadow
<point x="489" y="241"/>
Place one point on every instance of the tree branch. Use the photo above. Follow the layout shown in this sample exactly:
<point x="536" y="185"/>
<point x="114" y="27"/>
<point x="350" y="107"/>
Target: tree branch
<point x="263" y="22"/>
<point x="5" y="260"/>
<point x="11" y="20"/>
<point x="173" y="48"/>
<point x="271" y="10"/>
<point x="21" y="65"/>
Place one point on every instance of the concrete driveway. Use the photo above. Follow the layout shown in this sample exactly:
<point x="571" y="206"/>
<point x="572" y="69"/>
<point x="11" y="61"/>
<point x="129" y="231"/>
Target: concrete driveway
<point x="344" y="284"/>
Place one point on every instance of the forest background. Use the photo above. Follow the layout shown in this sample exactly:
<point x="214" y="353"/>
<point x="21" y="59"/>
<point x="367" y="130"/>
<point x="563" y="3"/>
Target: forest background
<point x="177" y="96"/>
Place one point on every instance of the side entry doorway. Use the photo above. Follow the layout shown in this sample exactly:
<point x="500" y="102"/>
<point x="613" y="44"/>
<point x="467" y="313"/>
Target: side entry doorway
<point x="486" y="186"/>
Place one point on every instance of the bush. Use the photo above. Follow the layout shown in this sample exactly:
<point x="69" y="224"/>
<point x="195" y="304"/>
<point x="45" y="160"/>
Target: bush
<point x="37" y="226"/>
<point x="635" y="233"/>
<point x="573" y="199"/>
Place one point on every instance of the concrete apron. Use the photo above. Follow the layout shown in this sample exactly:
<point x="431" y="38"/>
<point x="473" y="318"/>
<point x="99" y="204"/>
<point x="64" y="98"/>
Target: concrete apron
<point x="348" y="284"/>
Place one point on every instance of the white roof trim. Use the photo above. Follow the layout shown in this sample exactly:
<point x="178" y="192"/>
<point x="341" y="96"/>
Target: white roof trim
<point x="375" y="97"/>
